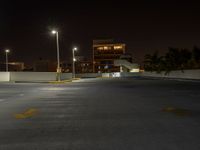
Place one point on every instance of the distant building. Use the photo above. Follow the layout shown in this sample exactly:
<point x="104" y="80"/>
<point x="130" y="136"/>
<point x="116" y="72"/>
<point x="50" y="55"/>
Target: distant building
<point x="83" y="65"/>
<point x="12" y="66"/>
<point x="104" y="54"/>
<point x="16" y="66"/>
<point x="66" y="67"/>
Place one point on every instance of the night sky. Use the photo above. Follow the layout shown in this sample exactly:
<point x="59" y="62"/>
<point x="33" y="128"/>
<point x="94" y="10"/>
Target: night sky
<point x="145" y="26"/>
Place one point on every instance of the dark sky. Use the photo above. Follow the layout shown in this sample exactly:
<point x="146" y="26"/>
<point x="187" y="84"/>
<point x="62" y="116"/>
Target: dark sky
<point x="145" y="26"/>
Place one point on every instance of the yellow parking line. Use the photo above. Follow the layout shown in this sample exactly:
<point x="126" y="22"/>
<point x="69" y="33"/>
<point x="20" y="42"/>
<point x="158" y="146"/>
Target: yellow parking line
<point x="60" y="82"/>
<point x="177" y="111"/>
<point x="27" y="114"/>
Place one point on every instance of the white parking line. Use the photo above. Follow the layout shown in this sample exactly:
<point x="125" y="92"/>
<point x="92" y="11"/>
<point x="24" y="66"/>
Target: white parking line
<point x="1" y="100"/>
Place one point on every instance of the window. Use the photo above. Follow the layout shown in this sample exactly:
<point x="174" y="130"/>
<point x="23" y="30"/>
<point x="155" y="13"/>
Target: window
<point x="118" y="47"/>
<point x="100" y="48"/>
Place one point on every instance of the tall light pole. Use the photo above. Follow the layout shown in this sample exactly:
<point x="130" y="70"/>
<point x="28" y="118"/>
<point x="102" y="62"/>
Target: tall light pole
<point x="58" y="55"/>
<point x="74" y="60"/>
<point x="7" y="51"/>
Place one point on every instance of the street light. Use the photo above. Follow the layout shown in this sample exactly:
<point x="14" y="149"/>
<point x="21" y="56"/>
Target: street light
<point x="7" y="51"/>
<point x="74" y="60"/>
<point x="58" y="54"/>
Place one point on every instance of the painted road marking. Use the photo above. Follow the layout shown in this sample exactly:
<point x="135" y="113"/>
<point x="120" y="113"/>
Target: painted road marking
<point x="177" y="111"/>
<point x="27" y="114"/>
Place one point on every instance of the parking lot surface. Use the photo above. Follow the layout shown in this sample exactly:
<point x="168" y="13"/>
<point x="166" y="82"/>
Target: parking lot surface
<point x="101" y="114"/>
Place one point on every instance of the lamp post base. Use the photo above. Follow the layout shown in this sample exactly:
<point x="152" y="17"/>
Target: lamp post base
<point x="58" y="74"/>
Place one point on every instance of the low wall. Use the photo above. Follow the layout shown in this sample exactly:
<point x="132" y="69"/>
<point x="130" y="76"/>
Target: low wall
<point x="105" y="75"/>
<point x="32" y="76"/>
<point x="37" y="76"/>
<point x="130" y="74"/>
<point x="88" y="75"/>
<point x="121" y="74"/>
<point x="51" y="76"/>
<point x="187" y="74"/>
<point x="4" y="76"/>
<point x="66" y="76"/>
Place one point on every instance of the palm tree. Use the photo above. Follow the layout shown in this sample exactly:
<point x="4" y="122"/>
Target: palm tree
<point x="153" y="62"/>
<point x="172" y="59"/>
<point x="185" y="57"/>
<point x="148" y="62"/>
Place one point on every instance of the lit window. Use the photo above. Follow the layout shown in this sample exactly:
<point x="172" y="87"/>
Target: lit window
<point x="105" y="48"/>
<point x="117" y="47"/>
<point x="100" y="48"/>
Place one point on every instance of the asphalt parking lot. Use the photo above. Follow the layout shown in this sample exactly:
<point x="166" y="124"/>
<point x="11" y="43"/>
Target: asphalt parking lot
<point x="101" y="114"/>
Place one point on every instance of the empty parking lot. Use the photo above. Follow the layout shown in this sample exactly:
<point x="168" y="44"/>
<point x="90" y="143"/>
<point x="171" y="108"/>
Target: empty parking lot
<point x="110" y="114"/>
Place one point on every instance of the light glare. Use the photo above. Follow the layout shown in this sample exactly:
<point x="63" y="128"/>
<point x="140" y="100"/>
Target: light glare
<point x="53" y="31"/>
<point x="75" y="49"/>
<point x="7" y="50"/>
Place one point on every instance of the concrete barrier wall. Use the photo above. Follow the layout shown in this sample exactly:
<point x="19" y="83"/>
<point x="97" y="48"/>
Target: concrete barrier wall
<point x="66" y="76"/>
<point x="187" y="74"/>
<point x="4" y="76"/>
<point x="51" y="76"/>
<point x="105" y="75"/>
<point x="37" y="76"/>
<point x="121" y="74"/>
<point x="32" y="76"/>
<point x="130" y="74"/>
<point x="88" y="75"/>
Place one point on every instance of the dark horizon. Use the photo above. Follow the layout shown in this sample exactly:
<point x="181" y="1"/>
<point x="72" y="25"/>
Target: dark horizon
<point x="143" y="26"/>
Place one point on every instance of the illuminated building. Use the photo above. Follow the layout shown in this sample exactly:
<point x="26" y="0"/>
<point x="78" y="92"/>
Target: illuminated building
<point x="104" y="54"/>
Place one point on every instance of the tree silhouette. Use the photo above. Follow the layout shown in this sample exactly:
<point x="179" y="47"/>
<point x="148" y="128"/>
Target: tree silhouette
<point x="196" y="56"/>
<point x="174" y="59"/>
<point x="185" y="57"/>
<point x="153" y="62"/>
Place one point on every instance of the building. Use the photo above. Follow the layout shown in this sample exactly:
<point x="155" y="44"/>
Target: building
<point x="104" y="54"/>
<point x="83" y="65"/>
<point x="66" y="66"/>
<point x="12" y="66"/>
